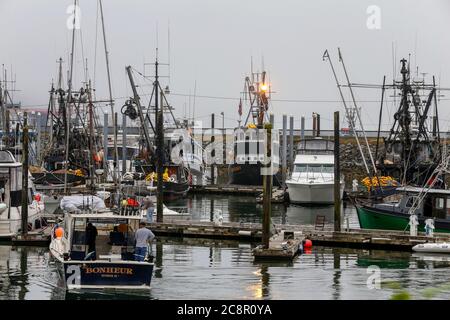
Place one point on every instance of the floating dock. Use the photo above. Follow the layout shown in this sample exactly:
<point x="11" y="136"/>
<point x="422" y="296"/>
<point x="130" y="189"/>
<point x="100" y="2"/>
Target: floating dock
<point x="353" y="238"/>
<point x="282" y="246"/>
<point x="226" y="189"/>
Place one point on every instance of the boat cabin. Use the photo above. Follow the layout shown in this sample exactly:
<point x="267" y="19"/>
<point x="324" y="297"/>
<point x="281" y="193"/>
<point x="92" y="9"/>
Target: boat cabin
<point x="435" y="205"/>
<point x="249" y="145"/>
<point x="114" y="239"/>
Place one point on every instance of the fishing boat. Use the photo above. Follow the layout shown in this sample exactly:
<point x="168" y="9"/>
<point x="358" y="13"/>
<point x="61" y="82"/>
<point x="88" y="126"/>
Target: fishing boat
<point x="395" y="215"/>
<point x="164" y="143"/>
<point x="11" y="199"/>
<point x="312" y="178"/>
<point x="112" y="265"/>
<point x="250" y="139"/>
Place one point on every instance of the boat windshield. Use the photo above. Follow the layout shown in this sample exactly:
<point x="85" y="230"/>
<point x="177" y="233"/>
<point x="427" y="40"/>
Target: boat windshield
<point x="315" y="168"/>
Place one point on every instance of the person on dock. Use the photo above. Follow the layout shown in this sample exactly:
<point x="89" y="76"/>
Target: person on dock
<point x="147" y="204"/>
<point x="91" y="236"/>
<point x="142" y="237"/>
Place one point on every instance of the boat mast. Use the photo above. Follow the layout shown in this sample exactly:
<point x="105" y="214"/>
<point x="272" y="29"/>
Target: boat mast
<point x="326" y="56"/>
<point x="358" y="115"/>
<point x="69" y="99"/>
<point x="110" y="97"/>
<point x="91" y="137"/>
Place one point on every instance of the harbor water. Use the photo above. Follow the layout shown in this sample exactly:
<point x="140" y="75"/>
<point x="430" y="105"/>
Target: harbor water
<point x="213" y="269"/>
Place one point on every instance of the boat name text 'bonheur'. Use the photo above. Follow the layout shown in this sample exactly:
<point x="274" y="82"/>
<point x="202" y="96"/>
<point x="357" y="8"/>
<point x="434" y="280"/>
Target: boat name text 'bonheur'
<point x="111" y="270"/>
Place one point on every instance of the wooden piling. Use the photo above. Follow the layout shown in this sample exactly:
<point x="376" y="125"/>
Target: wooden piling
<point x="291" y="143"/>
<point x="284" y="152"/>
<point x="213" y="152"/>
<point x="160" y="155"/>
<point x="105" y="145"/>
<point x="337" y="176"/>
<point x="24" y="212"/>
<point x="124" y="144"/>
<point x="267" y="189"/>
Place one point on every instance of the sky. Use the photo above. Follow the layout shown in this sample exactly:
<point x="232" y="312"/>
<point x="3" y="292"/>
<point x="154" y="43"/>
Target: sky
<point x="212" y="44"/>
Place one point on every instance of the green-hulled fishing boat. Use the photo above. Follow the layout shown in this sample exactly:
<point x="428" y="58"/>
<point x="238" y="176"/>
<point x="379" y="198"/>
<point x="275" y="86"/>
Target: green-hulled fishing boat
<point x="395" y="215"/>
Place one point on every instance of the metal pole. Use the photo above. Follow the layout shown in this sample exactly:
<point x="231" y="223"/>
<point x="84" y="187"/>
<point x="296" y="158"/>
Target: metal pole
<point x="124" y="144"/>
<point x="24" y="213"/>
<point x="337" y="176"/>
<point x="267" y="189"/>
<point x="213" y="152"/>
<point x="284" y="151"/>
<point x="291" y="142"/>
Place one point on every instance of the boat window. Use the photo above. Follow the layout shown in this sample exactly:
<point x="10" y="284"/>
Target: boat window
<point x="448" y="208"/>
<point x="300" y="168"/>
<point x="328" y="168"/>
<point x="410" y="202"/>
<point x="314" y="168"/>
<point x="439" y="203"/>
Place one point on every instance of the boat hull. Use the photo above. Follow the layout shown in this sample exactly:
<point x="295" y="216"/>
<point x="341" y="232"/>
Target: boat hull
<point x="248" y="174"/>
<point x="105" y="274"/>
<point x="371" y="218"/>
<point x="57" y="178"/>
<point x="309" y="193"/>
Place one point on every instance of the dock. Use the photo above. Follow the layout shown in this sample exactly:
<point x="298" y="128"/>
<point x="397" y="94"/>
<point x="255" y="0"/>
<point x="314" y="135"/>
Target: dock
<point x="252" y="232"/>
<point x="282" y="246"/>
<point x="226" y="189"/>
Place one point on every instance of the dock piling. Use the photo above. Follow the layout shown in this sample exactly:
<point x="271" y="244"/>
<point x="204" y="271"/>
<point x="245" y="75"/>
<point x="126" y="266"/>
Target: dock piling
<point x="337" y="176"/>
<point x="302" y="128"/>
<point x="124" y="144"/>
<point x="105" y="144"/>
<point x="267" y="188"/>
<point x="39" y="138"/>
<point x="24" y="212"/>
<point x="284" y="152"/>
<point x="291" y="143"/>
<point x="213" y="152"/>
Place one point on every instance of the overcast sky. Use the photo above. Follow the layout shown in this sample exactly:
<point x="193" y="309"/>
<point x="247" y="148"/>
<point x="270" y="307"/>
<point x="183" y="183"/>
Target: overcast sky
<point x="212" y="42"/>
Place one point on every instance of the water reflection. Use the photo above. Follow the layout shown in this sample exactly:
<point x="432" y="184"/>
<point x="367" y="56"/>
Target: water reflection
<point x="246" y="209"/>
<point x="336" y="275"/>
<point x="214" y="269"/>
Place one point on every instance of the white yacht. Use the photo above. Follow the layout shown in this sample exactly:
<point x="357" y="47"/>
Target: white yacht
<point x="11" y="199"/>
<point x="312" y="178"/>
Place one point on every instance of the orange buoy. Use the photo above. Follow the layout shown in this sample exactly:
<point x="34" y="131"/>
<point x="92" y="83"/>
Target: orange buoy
<point x="59" y="233"/>
<point x="307" y="244"/>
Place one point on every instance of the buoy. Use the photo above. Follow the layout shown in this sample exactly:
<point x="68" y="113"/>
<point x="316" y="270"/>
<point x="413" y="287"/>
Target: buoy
<point x="59" y="233"/>
<point x="307" y="244"/>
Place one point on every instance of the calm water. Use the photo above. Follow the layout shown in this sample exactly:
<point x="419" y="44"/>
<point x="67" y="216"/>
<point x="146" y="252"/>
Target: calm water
<point x="206" y="269"/>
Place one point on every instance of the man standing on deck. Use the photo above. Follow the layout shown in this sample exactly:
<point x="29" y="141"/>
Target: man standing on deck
<point x="91" y="235"/>
<point x="147" y="204"/>
<point x="142" y="236"/>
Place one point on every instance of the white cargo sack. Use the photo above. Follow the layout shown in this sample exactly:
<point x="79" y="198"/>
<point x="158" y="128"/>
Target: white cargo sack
<point x="79" y="202"/>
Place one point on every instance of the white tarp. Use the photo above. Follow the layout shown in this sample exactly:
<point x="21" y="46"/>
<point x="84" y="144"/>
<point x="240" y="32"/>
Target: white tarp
<point x="79" y="202"/>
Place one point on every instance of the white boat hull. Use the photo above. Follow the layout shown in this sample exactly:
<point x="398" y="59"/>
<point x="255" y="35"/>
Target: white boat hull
<point x="312" y="193"/>
<point x="432" y="247"/>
